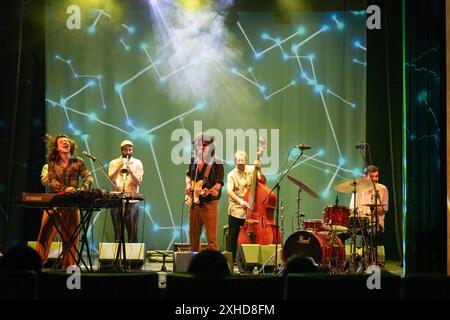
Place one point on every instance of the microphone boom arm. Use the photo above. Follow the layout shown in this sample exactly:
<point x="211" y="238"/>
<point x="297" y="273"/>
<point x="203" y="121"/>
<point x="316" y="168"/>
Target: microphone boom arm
<point x="102" y="169"/>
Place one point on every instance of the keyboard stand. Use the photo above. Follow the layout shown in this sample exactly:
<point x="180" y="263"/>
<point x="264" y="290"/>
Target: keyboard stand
<point x="85" y="216"/>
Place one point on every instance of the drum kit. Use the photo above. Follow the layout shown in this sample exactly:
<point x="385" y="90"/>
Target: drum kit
<point x="324" y="239"/>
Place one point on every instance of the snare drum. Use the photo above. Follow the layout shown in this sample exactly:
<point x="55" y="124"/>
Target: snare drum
<point x="336" y="218"/>
<point x="322" y="246"/>
<point x="359" y="223"/>
<point x="313" y="224"/>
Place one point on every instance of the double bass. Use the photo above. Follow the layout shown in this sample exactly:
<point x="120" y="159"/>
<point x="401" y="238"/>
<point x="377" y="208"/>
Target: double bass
<point x="259" y="226"/>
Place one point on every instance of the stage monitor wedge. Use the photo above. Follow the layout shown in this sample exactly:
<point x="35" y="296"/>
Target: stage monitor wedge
<point x="135" y="254"/>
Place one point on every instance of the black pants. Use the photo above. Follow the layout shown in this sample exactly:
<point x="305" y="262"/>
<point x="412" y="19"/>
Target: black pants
<point x="234" y="225"/>
<point x="130" y="221"/>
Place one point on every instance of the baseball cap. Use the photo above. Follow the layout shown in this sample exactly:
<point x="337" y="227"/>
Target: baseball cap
<point x="126" y="143"/>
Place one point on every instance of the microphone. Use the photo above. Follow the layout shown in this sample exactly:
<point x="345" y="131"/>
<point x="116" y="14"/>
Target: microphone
<point x="360" y="145"/>
<point x="302" y="146"/>
<point x="87" y="154"/>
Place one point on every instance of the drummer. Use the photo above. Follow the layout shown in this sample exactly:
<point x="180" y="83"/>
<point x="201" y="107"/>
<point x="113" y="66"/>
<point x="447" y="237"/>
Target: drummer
<point x="374" y="196"/>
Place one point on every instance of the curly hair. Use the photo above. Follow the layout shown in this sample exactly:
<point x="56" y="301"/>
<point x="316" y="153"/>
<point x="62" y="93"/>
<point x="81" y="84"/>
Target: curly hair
<point x="52" y="145"/>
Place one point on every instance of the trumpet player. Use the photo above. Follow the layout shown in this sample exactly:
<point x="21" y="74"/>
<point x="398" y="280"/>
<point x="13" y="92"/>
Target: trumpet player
<point x="126" y="172"/>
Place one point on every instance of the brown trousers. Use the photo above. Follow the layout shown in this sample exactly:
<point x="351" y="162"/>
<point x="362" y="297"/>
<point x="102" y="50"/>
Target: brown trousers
<point x="204" y="214"/>
<point x="69" y="219"/>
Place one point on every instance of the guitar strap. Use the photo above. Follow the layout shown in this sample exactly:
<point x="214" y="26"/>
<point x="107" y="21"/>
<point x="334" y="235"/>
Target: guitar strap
<point x="208" y="169"/>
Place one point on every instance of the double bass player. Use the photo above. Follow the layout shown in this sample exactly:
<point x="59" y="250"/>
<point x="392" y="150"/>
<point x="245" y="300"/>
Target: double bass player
<point x="257" y="225"/>
<point x="239" y="181"/>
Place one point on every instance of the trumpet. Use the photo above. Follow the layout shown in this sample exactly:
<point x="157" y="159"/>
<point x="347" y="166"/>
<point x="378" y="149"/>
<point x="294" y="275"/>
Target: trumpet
<point x="124" y="169"/>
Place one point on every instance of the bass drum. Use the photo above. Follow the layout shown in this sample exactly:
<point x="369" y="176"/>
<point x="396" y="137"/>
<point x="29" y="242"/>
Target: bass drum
<point x="325" y="247"/>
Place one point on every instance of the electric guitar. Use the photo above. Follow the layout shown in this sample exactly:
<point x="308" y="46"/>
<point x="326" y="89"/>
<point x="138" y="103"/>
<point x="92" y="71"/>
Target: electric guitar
<point x="197" y="192"/>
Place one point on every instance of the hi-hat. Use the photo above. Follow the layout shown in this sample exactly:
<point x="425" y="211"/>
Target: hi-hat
<point x="373" y="205"/>
<point x="351" y="185"/>
<point x="303" y="187"/>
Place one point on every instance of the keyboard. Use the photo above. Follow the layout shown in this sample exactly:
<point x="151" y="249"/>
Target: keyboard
<point x="94" y="198"/>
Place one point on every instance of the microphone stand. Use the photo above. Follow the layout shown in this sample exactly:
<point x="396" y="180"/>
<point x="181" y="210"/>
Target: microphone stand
<point x="125" y="203"/>
<point x="374" y="211"/>
<point x="122" y="234"/>
<point x="277" y="209"/>
<point x="102" y="169"/>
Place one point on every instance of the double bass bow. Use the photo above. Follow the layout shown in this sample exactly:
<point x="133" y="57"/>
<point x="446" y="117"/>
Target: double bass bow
<point x="259" y="226"/>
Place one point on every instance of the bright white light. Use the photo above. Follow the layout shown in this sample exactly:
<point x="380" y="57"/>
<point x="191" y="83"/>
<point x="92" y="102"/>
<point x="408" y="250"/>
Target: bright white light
<point x="195" y="45"/>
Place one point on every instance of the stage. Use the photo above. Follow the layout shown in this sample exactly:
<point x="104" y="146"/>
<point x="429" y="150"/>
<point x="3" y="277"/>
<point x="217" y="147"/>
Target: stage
<point x="317" y="91"/>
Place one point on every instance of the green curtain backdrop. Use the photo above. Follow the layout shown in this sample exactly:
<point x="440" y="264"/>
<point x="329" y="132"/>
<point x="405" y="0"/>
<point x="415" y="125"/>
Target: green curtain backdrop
<point x="425" y="189"/>
<point x="157" y="73"/>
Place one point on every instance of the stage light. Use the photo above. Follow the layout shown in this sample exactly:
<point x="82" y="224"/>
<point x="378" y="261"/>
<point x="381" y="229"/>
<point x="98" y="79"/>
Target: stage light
<point x="287" y="6"/>
<point x="193" y="5"/>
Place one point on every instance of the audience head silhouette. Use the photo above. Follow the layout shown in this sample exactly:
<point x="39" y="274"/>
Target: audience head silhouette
<point x="21" y="257"/>
<point x="301" y="264"/>
<point x="209" y="263"/>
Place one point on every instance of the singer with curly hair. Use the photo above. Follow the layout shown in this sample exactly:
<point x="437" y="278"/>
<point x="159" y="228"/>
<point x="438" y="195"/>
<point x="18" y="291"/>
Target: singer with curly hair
<point x="64" y="172"/>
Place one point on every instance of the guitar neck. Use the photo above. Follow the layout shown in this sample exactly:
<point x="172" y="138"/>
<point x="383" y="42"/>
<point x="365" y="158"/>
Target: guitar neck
<point x="253" y="190"/>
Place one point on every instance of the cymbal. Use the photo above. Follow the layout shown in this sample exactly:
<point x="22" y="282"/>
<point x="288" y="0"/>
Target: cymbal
<point x="356" y="184"/>
<point x="373" y="205"/>
<point x="303" y="187"/>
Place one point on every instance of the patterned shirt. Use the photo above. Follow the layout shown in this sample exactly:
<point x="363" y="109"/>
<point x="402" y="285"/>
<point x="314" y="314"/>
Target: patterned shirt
<point x="240" y="183"/>
<point x="61" y="177"/>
